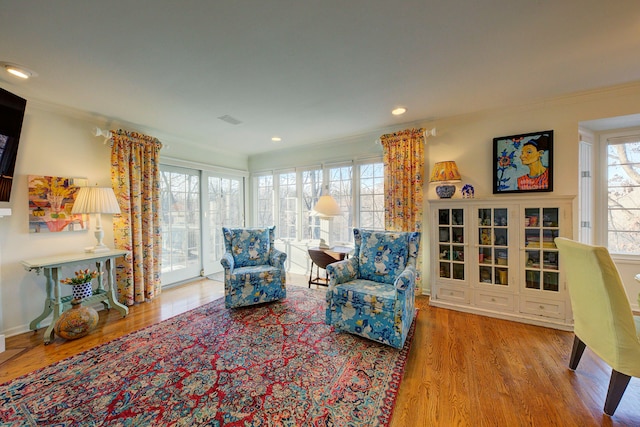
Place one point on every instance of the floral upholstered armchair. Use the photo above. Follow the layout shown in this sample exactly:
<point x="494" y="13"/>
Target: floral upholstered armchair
<point x="253" y="268"/>
<point x="372" y="294"/>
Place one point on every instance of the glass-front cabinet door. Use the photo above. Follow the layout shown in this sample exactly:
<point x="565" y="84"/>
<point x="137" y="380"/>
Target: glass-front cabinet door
<point x="541" y="263"/>
<point x="493" y="247"/>
<point x="451" y="244"/>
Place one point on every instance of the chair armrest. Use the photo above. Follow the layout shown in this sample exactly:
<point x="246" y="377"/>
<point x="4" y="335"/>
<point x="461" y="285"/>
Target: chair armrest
<point x="277" y="258"/>
<point x="342" y="271"/>
<point x="406" y="279"/>
<point x="227" y="261"/>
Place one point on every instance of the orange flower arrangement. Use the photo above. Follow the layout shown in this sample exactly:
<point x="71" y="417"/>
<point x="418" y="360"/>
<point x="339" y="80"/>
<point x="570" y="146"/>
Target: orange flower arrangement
<point x="82" y="276"/>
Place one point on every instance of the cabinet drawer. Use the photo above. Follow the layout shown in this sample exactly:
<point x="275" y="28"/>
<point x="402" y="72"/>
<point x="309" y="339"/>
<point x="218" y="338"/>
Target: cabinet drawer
<point x="452" y="294"/>
<point x="543" y="308"/>
<point x="494" y="300"/>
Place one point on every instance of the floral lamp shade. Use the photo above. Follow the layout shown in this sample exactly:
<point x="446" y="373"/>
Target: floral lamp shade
<point x="445" y="173"/>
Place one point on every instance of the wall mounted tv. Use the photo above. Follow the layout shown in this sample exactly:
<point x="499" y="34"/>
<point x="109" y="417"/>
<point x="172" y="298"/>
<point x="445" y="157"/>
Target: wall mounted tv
<point x="11" y="115"/>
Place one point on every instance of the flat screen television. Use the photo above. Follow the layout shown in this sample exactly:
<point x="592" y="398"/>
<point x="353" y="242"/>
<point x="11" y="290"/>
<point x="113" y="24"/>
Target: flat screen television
<point x="11" y="115"/>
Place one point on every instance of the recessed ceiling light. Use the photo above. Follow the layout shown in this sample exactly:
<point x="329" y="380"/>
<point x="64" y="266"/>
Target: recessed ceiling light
<point x="398" y="111"/>
<point x="276" y="139"/>
<point x="18" y="70"/>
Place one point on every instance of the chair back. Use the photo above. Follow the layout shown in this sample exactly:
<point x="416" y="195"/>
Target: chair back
<point x="603" y="319"/>
<point x="249" y="246"/>
<point x="383" y="255"/>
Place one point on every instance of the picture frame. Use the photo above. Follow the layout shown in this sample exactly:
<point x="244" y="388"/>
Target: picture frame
<point x="51" y="200"/>
<point x="523" y="163"/>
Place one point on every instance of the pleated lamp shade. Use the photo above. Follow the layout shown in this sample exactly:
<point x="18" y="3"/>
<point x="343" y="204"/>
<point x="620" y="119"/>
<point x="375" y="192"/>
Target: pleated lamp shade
<point x="96" y="200"/>
<point x="445" y="172"/>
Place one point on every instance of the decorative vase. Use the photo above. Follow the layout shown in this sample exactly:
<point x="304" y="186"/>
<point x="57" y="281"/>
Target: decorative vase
<point x="445" y="191"/>
<point x="82" y="291"/>
<point x="468" y="192"/>
<point x="76" y="322"/>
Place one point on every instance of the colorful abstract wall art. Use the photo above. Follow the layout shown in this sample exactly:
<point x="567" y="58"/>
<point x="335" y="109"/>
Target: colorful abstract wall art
<point x="50" y="201"/>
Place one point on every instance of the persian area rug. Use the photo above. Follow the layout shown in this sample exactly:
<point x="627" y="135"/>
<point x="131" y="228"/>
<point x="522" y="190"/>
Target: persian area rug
<point x="275" y="364"/>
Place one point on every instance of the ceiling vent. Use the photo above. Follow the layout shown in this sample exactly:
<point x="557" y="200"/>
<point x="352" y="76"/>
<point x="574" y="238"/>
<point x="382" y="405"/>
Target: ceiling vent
<point x="229" y="119"/>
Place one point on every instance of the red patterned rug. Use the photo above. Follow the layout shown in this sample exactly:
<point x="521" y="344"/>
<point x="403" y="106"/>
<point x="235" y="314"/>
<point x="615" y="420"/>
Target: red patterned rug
<point x="276" y="364"/>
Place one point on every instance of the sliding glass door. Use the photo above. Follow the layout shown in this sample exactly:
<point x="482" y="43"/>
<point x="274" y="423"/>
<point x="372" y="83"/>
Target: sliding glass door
<point x="196" y="204"/>
<point x="181" y="224"/>
<point x="224" y="207"/>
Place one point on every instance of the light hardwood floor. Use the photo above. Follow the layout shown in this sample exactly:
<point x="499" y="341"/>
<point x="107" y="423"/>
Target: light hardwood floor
<point x="462" y="370"/>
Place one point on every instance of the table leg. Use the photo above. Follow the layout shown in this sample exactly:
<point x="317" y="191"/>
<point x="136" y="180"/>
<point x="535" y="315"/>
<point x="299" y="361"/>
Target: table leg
<point x="111" y="293"/>
<point x="99" y="267"/>
<point x="53" y="277"/>
<point x="35" y="323"/>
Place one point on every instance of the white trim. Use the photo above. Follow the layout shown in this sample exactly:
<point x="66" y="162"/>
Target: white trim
<point x="170" y="161"/>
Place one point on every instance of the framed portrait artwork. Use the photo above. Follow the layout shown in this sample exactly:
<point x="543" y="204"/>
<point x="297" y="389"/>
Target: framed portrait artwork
<point x="523" y="163"/>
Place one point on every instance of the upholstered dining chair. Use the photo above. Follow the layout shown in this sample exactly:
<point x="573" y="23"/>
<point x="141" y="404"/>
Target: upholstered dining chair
<point x="372" y="294"/>
<point x="603" y="320"/>
<point x="253" y="268"/>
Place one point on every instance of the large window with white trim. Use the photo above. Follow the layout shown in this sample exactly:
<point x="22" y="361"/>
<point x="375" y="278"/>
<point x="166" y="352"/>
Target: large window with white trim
<point x="357" y="187"/>
<point x="623" y="192"/>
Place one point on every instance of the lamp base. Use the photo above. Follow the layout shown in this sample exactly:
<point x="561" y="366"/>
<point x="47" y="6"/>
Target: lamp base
<point x="445" y="191"/>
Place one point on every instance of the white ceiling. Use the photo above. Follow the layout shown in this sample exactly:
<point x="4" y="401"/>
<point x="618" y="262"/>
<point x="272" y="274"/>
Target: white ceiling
<point x="310" y="71"/>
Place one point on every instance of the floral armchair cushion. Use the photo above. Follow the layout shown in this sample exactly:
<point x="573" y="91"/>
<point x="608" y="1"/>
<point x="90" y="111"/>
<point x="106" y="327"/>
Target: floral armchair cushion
<point x="372" y="293"/>
<point x="382" y="255"/>
<point x="249" y="247"/>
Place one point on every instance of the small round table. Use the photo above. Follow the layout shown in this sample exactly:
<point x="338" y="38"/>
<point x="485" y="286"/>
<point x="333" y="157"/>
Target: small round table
<point x="321" y="257"/>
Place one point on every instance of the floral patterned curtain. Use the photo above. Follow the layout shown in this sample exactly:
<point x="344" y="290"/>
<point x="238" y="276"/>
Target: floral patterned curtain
<point x="135" y="177"/>
<point x="403" y="180"/>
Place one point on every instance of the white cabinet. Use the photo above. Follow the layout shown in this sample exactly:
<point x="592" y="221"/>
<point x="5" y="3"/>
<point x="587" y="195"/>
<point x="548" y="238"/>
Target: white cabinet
<point x="497" y="257"/>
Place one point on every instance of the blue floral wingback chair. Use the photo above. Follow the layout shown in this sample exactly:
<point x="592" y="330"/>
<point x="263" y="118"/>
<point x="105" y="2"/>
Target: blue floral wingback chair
<point x="253" y="268"/>
<point x="372" y="294"/>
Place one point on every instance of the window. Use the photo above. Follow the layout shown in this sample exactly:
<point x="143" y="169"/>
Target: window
<point x="288" y="204"/>
<point x="340" y="187"/>
<point x="357" y="188"/>
<point x="264" y="200"/>
<point x="623" y="193"/>
<point x="371" y="212"/>
<point x="311" y="191"/>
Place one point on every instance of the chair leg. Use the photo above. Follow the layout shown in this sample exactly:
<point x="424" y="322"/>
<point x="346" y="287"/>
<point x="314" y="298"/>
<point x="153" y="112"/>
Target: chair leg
<point x="576" y="352"/>
<point x="617" y="386"/>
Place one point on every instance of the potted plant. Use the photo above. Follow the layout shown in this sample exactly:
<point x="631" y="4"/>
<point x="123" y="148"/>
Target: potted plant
<point x="81" y="283"/>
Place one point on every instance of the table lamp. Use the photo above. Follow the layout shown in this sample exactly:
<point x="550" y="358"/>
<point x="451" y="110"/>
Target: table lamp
<point x="445" y="173"/>
<point x="326" y="208"/>
<point x="96" y="200"/>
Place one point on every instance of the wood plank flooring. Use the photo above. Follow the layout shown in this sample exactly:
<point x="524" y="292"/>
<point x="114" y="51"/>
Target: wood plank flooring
<point x="462" y="370"/>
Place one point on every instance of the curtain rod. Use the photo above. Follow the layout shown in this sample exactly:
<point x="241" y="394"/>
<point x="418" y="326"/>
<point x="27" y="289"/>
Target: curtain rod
<point x="107" y="136"/>
<point x="426" y="134"/>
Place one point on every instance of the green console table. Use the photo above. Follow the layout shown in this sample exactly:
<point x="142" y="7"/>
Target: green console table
<point x="55" y="303"/>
